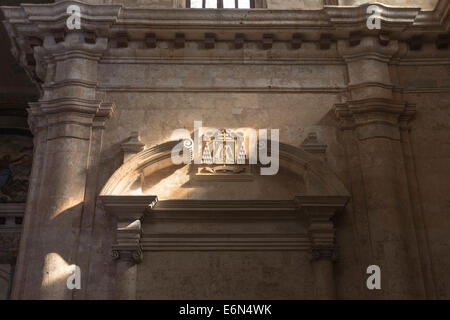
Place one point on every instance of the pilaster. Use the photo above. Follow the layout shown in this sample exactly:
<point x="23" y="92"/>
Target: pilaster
<point x="371" y="118"/>
<point x="67" y="122"/>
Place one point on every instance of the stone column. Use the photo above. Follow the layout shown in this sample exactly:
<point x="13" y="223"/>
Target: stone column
<point x="320" y="211"/>
<point x="371" y="115"/>
<point x="63" y="121"/>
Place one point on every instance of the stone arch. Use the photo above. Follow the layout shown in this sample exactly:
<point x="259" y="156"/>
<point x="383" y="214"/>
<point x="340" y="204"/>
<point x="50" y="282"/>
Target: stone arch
<point x="319" y="179"/>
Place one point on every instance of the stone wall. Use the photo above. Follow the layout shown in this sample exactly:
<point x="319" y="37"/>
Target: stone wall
<point x="273" y="4"/>
<point x="375" y="173"/>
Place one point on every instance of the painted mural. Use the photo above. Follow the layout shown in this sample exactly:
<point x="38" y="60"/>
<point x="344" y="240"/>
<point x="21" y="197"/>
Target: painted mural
<point x="16" y="154"/>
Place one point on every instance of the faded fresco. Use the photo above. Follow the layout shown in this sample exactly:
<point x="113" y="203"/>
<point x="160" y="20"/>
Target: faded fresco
<point x="16" y="155"/>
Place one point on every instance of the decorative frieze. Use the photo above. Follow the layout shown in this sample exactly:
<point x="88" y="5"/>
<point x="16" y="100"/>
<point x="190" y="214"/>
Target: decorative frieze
<point x="322" y="26"/>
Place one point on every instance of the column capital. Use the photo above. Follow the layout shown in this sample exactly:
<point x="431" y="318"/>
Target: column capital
<point x="368" y="48"/>
<point x="69" y="116"/>
<point x="375" y="117"/>
<point x="128" y="242"/>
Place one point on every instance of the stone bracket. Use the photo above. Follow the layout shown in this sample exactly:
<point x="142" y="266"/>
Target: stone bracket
<point x="128" y="211"/>
<point x="320" y="212"/>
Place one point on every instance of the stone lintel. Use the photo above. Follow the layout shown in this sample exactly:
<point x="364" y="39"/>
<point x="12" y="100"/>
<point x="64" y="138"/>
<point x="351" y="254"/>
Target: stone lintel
<point x="128" y="208"/>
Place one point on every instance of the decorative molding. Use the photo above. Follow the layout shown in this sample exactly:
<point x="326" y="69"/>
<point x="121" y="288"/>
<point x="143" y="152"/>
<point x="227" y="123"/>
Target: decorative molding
<point x="222" y="210"/>
<point x="58" y="114"/>
<point x="234" y="242"/>
<point x="36" y="26"/>
<point x="292" y="157"/>
<point x="387" y="112"/>
<point x="135" y="212"/>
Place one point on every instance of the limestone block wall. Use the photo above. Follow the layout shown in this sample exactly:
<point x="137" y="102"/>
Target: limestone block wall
<point x="379" y="105"/>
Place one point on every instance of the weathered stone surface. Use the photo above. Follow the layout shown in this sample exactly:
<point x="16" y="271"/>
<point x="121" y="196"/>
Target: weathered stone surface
<point x="364" y="153"/>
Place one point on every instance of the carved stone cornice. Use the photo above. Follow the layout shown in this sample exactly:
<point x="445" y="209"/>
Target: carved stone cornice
<point x="104" y="17"/>
<point x="368" y="48"/>
<point x="36" y="29"/>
